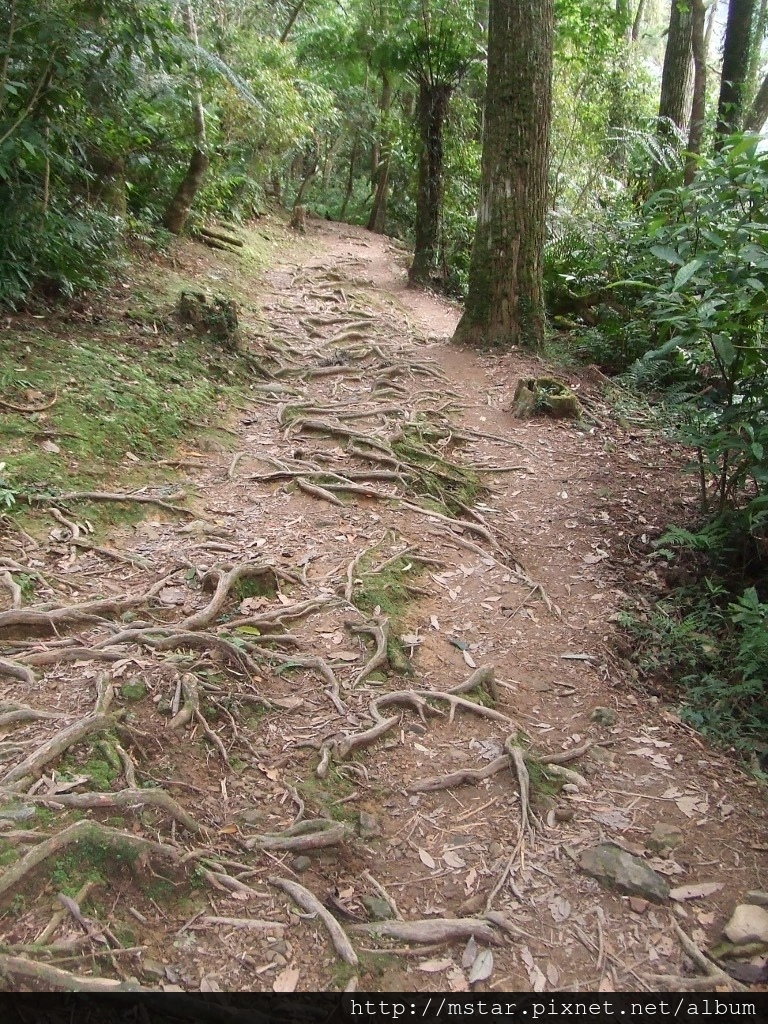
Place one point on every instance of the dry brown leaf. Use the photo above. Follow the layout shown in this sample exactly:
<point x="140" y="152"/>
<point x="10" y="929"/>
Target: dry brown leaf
<point x="692" y="892"/>
<point x="435" y="966"/>
<point x="482" y="968"/>
<point x="453" y="860"/>
<point x="426" y="858"/>
<point x="286" y="981"/>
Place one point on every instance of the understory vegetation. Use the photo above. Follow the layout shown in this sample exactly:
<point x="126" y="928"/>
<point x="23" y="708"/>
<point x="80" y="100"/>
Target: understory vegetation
<point x="125" y="124"/>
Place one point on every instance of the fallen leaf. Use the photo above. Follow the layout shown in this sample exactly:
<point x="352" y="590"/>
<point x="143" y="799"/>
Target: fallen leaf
<point x="553" y="975"/>
<point x="434" y="623"/>
<point x="689" y="805"/>
<point x="456" y="981"/>
<point x="482" y="968"/>
<point x="348" y="655"/>
<point x="426" y="858"/>
<point x="468" y="659"/>
<point x="535" y="975"/>
<point x="209" y="984"/>
<point x="435" y="966"/>
<point x="613" y="819"/>
<point x="559" y="908"/>
<point x="693" y="892"/>
<point x="469" y="955"/>
<point x="453" y="860"/>
<point x="286" y="981"/>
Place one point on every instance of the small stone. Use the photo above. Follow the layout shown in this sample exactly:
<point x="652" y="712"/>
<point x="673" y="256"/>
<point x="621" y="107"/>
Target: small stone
<point x="378" y="909"/>
<point x="135" y="690"/>
<point x="664" y="838"/>
<point x="604" y="716"/>
<point x="602" y="756"/>
<point x="748" y="923"/>
<point x="495" y="850"/>
<point x="612" y="866"/>
<point x="153" y="968"/>
<point x="564" y="813"/>
<point x="757" y="898"/>
<point x="301" y="864"/>
<point x="252" y="815"/>
<point x="369" y="825"/>
<point x="638" y="905"/>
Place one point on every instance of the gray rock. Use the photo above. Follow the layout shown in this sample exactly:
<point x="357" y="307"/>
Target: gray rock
<point x="17" y="812"/>
<point x="301" y="864"/>
<point x="664" y="838"/>
<point x="612" y="866"/>
<point x="153" y="968"/>
<point x="378" y="909"/>
<point x="369" y="825"/>
<point x="748" y="923"/>
<point x="757" y="898"/>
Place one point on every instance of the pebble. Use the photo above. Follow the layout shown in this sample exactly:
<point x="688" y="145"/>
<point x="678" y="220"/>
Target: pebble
<point x="301" y="864"/>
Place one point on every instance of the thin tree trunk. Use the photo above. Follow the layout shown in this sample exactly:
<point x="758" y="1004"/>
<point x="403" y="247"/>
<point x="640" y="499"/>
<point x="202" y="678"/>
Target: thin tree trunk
<point x="179" y="207"/>
<point x="350" y="178"/>
<point x="676" y="74"/>
<point x="699" y="104"/>
<point x="758" y="112"/>
<point x="637" y="24"/>
<point x="432" y="106"/>
<point x="710" y="26"/>
<point x="755" y="52"/>
<point x="381" y="153"/>
<point x="736" y="49"/>
<point x="292" y="20"/>
<point x="505" y="302"/>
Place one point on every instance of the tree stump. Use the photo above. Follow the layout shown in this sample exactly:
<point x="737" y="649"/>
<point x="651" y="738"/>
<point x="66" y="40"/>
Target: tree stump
<point x="544" y="395"/>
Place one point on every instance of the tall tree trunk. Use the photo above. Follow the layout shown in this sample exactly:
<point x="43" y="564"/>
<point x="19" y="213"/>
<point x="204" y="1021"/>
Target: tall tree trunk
<point x="736" y="49"/>
<point x="711" y="18"/>
<point x="291" y="20"/>
<point x="179" y="207"/>
<point x="676" y="74"/>
<point x="758" y="112"/>
<point x="637" y="24"/>
<point x="431" y="108"/>
<point x="381" y="153"/>
<point x="350" y="177"/>
<point x="505" y="302"/>
<point x="755" y="52"/>
<point x="699" y="104"/>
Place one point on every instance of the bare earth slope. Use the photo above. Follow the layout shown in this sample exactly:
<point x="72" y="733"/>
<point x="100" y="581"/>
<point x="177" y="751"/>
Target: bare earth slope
<point x="244" y="709"/>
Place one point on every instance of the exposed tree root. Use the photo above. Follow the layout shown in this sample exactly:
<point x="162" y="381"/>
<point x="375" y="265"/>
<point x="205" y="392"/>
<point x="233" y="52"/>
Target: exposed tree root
<point x="436" y="931"/>
<point x="304" y="898"/>
<point x="32" y="765"/>
<point x="714" y="975"/>
<point x="145" y="499"/>
<point x="301" y="836"/>
<point x="16" y="671"/>
<point x="53" y="977"/>
<point x="123" y="798"/>
<point x="380" y="632"/>
<point x="83" y="830"/>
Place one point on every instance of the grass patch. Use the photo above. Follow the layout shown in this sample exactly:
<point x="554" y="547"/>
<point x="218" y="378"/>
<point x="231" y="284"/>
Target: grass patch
<point x="322" y="795"/>
<point x="448" y="484"/>
<point x="388" y="591"/>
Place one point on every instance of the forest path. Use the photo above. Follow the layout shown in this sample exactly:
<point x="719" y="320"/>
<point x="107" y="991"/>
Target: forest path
<point x="280" y="646"/>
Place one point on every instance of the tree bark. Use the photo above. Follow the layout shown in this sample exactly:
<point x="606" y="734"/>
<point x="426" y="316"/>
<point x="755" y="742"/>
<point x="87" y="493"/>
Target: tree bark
<point x="755" y="52"/>
<point x="758" y="112"/>
<point x="676" y="74"/>
<point x="431" y="108"/>
<point x="505" y="304"/>
<point x="736" y="50"/>
<point x="381" y="153"/>
<point x="637" y="24"/>
<point x="699" y="103"/>
<point x="178" y="210"/>
<point x="291" y="20"/>
<point x="350" y="177"/>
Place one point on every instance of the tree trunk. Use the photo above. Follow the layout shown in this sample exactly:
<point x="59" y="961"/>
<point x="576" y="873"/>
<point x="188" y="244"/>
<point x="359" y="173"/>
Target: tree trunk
<point x="699" y="104"/>
<point x="431" y="108"/>
<point x="736" y="49"/>
<point x="179" y="207"/>
<point x="350" y="178"/>
<point x="755" y="52"/>
<point x="381" y="153"/>
<point x="676" y="74"/>
<point x="637" y="24"/>
<point x="758" y="112"/>
<point x="505" y="303"/>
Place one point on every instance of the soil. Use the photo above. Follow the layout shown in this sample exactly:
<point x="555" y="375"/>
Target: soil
<point x="560" y="535"/>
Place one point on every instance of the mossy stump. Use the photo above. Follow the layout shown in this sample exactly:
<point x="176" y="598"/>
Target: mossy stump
<point x="544" y="395"/>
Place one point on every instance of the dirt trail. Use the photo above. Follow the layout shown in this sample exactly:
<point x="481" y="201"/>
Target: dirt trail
<point x="320" y="785"/>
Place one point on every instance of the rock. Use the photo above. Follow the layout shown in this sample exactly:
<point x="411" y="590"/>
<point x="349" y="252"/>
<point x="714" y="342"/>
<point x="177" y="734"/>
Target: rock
<point x="17" y="812"/>
<point x="472" y="905"/>
<point x="369" y="825"/>
<point x="252" y="815"/>
<point x="153" y="968"/>
<point x="638" y="905"/>
<point x="563" y="812"/>
<point x="604" y="716"/>
<point x="664" y="838"/>
<point x="612" y="866"/>
<point x="495" y="850"/>
<point x="378" y="909"/>
<point x="135" y="690"/>
<point x="757" y="898"/>
<point x="748" y="923"/>
<point x="301" y="864"/>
